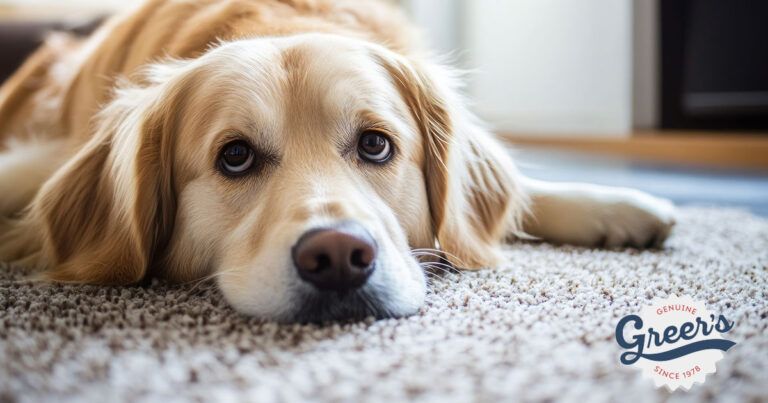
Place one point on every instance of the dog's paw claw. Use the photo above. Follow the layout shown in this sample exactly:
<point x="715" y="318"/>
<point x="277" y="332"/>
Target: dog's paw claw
<point x="638" y="221"/>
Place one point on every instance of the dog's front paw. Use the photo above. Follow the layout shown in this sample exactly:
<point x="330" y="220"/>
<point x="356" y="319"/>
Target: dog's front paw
<point x="592" y="215"/>
<point x="630" y="218"/>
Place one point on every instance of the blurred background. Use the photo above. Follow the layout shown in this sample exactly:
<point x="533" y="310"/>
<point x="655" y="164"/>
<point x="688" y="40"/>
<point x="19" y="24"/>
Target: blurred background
<point x="667" y="96"/>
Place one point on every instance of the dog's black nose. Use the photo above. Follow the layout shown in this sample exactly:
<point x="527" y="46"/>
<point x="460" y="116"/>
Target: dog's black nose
<point x="337" y="258"/>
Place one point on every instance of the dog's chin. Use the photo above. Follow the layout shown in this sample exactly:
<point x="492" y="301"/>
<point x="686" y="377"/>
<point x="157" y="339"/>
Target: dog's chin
<point x="322" y="306"/>
<point x="385" y="295"/>
<point x="316" y="306"/>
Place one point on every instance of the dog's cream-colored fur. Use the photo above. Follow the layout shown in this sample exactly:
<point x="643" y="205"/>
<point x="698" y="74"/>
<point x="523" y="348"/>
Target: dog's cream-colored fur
<point x="110" y="146"/>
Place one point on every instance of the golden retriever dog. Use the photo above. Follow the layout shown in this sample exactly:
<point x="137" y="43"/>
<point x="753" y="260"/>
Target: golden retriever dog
<point x="307" y="154"/>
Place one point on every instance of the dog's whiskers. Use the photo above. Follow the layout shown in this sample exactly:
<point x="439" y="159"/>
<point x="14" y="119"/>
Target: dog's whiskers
<point x="199" y="282"/>
<point x="435" y="269"/>
<point x="440" y="262"/>
<point x="438" y="253"/>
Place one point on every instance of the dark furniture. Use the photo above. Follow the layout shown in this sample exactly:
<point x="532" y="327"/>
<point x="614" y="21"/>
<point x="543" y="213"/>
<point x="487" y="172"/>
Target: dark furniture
<point x="714" y="64"/>
<point x="19" y="39"/>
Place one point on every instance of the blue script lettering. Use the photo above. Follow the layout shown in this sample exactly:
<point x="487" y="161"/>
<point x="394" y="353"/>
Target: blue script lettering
<point x="670" y="335"/>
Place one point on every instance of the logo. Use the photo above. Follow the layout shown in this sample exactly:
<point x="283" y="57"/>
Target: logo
<point x="675" y="341"/>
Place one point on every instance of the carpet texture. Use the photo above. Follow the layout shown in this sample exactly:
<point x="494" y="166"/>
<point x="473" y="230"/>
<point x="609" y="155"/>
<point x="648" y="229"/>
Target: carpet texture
<point x="538" y="329"/>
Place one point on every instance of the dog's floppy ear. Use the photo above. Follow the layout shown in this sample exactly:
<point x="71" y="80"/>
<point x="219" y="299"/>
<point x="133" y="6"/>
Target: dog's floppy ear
<point x="106" y="211"/>
<point x="474" y="197"/>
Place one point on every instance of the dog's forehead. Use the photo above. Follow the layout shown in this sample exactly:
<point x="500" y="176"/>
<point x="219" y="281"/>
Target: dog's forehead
<point x="319" y="60"/>
<point x="309" y="79"/>
<point x="310" y="66"/>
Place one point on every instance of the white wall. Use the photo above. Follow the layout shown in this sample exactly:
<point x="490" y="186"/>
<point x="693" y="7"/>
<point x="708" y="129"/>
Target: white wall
<point x="53" y="8"/>
<point x="554" y="66"/>
<point x="441" y="21"/>
<point x="78" y="3"/>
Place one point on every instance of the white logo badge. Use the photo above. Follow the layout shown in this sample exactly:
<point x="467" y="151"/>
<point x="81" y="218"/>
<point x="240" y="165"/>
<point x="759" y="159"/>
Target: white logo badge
<point x="675" y="341"/>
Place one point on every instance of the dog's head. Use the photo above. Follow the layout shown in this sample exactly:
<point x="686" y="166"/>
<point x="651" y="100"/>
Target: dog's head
<point x="301" y="172"/>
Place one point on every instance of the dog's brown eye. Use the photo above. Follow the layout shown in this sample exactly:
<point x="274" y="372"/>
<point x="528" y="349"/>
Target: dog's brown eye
<point x="374" y="146"/>
<point x="236" y="158"/>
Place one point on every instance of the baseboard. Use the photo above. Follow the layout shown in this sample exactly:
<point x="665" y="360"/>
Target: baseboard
<point x="722" y="149"/>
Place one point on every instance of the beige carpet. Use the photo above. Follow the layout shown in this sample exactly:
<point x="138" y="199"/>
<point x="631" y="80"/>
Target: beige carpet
<point x="539" y="329"/>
